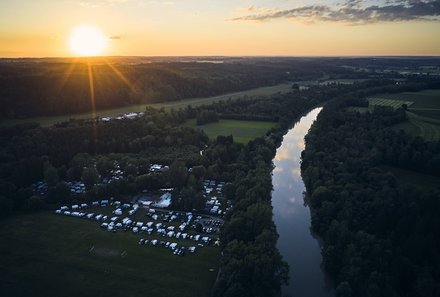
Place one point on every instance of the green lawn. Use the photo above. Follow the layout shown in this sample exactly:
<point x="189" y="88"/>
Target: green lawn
<point x="242" y="131"/>
<point x="50" y="255"/>
<point x="257" y="92"/>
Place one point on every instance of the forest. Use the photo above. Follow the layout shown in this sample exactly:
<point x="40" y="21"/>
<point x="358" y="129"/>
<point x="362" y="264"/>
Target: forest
<point x="92" y="149"/>
<point x="380" y="235"/>
<point x="48" y="87"/>
<point x="251" y="264"/>
<point x="35" y="88"/>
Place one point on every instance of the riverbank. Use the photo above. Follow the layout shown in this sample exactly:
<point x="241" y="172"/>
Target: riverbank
<point x="292" y="217"/>
<point x="368" y="217"/>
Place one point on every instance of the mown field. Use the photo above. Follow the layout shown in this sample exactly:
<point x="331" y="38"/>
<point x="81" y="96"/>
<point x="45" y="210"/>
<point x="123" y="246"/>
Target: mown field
<point x="51" y="255"/>
<point x="49" y="121"/>
<point x="422" y="99"/>
<point x="423" y="111"/>
<point x="242" y="131"/>
<point x="394" y="103"/>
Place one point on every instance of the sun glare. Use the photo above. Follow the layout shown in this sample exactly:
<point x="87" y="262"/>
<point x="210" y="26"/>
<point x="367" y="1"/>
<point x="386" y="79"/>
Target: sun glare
<point x="87" y="41"/>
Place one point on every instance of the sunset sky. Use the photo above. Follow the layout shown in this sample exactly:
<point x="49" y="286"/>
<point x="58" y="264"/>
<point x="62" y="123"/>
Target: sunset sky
<point x="43" y="28"/>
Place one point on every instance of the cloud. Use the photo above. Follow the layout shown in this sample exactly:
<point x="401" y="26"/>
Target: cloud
<point x="355" y="12"/>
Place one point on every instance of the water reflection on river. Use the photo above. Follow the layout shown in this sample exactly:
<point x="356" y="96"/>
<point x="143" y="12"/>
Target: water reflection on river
<point x="297" y="245"/>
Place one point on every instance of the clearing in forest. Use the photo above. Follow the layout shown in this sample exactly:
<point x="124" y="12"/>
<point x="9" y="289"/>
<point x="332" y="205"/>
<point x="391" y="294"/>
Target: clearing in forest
<point x="423" y="111"/>
<point x="262" y="93"/>
<point x="242" y="131"/>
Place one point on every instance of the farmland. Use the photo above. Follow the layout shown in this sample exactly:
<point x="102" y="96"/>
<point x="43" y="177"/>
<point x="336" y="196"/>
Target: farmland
<point x="388" y="102"/>
<point x="242" y="131"/>
<point x="422" y="99"/>
<point x="423" y="111"/>
<point x="48" y="255"/>
<point x="51" y="120"/>
<point x="426" y="127"/>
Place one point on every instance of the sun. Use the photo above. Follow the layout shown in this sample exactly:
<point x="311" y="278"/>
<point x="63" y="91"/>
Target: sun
<point x="87" y="41"/>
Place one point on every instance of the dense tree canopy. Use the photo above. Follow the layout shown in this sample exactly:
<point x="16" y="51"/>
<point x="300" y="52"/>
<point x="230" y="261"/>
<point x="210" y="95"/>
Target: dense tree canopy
<point x="378" y="233"/>
<point x="113" y="159"/>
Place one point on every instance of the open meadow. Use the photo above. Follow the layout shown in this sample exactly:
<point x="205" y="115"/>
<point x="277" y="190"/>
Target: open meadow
<point x="46" y="254"/>
<point x="423" y="111"/>
<point x="254" y="93"/>
<point x="242" y="131"/>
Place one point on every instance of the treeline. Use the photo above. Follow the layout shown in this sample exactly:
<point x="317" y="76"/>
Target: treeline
<point x="95" y="138"/>
<point x="411" y="153"/>
<point x="379" y="235"/>
<point x="284" y="107"/>
<point x="44" y="88"/>
<point x="89" y="150"/>
<point x="251" y="264"/>
<point x="206" y="116"/>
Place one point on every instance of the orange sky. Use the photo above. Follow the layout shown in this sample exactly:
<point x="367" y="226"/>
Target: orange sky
<point x="42" y="28"/>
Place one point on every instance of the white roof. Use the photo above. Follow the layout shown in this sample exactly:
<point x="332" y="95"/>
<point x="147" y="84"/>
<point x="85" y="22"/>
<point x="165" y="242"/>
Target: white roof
<point x="165" y="200"/>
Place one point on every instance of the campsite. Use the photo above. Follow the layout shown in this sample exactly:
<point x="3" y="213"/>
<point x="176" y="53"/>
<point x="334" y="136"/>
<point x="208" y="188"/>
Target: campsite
<point x="183" y="201"/>
<point x="120" y="243"/>
<point x="180" y="226"/>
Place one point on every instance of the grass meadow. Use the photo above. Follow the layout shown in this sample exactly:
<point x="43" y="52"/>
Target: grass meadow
<point x="242" y="131"/>
<point x="51" y="120"/>
<point x="46" y="254"/>
<point x="394" y="103"/>
<point x="423" y="111"/>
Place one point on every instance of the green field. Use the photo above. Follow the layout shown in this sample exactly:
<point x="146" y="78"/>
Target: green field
<point x="49" y="121"/>
<point x="428" y="112"/>
<point x="51" y="255"/>
<point x="242" y="131"/>
<point x="423" y="111"/>
<point x="394" y="103"/>
<point x="422" y="99"/>
<point x="382" y="101"/>
<point x="414" y="178"/>
<point x="426" y="127"/>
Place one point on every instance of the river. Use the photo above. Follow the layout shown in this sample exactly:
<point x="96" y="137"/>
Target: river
<point x="292" y="218"/>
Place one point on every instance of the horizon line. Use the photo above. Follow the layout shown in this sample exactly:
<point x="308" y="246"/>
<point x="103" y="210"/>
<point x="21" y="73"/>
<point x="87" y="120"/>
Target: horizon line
<point x="221" y="56"/>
